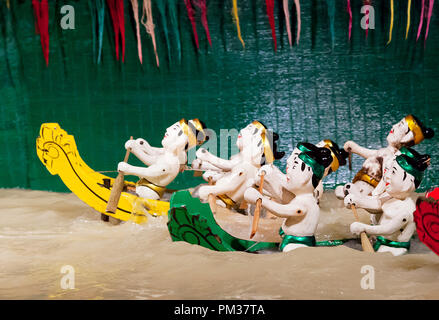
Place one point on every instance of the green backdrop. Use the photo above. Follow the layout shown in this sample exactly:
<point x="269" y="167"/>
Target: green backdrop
<point x="352" y="90"/>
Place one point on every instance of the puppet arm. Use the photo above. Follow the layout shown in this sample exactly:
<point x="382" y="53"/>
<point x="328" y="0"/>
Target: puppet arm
<point x="281" y="210"/>
<point x="223" y="164"/>
<point x="351" y="146"/>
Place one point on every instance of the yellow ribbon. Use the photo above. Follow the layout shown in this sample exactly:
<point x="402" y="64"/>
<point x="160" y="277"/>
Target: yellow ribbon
<point x="235" y="16"/>
<point x="408" y="18"/>
<point x="391" y="21"/>
<point x="415" y="128"/>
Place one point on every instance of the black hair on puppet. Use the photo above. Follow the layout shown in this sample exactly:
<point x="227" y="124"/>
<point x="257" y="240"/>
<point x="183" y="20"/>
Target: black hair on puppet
<point x="323" y="158"/>
<point x="340" y="153"/>
<point x="272" y="138"/>
<point x="427" y="132"/>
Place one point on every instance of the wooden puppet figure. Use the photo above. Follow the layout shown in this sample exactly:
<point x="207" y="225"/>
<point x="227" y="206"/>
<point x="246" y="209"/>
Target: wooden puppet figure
<point x="216" y="167"/>
<point x="276" y="182"/>
<point x="302" y="212"/>
<point x="406" y="133"/>
<point x="163" y="163"/>
<point x="396" y="225"/>
<point x="257" y="146"/>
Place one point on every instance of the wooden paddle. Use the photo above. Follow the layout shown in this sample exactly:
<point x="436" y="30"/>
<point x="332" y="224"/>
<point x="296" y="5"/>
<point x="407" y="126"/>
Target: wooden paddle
<point x="350" y="160"/>
<point x="117" y="188"/>
<point x="257" y="212"/>
<point x="365" y="243"/>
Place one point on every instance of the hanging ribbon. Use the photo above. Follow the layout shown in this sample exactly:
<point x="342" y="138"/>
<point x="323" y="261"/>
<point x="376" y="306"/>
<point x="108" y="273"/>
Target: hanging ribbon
<point x="190" y="13"/>
<point x="331" y="15"/>
<point x="117" y="16"/>
<point x="270" y="13"/>
<point x="299" y="21"/>
<point x="202" y="5"/>
<point x="161" y="5"/>
<point x="430" y="12"/>
<point x="148" y="23"/>
<point x="135" y="6"/>
<point x="236" y="19"/>
<point x="41" y="14"/>
<point x="97" y="8"/>
<point x="172" y="9"/>
<point x="287" y="20"/>
<point x="409" y="5"/>
<point x="391" y="21"/>
<point x="421" y="20"/>
<point x="367" y="3"/>
<point x="350" y="18"/>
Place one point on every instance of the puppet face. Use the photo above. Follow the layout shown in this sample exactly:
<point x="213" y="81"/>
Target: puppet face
<point x="398" y="181"/>
<point x="253" y="148"/>
<point x="400" y="134"/>
<point x="245" y="134"/>
<point x="174" y="137"/>
<point x="292" y="158"/>
<point x="299" y="175"/>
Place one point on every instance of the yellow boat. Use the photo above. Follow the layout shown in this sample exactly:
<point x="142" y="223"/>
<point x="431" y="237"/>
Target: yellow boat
<point x="58" y="152"/>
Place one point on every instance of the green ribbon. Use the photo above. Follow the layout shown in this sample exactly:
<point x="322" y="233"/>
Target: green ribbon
<point x="407" y="152"/>
<point x="309" y="241"/>
<point x="394" y="244"/>
<point x="316" y="167"/>
<point x="302" y="148"/>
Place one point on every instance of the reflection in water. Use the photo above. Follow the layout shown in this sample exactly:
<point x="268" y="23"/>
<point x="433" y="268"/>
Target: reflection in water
<point x="40" y="232"/>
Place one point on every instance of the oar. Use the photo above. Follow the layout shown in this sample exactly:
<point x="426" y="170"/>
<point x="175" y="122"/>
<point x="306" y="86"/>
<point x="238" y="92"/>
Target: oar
<point x="257" y="209"/>
<point x="365" y="243"/>
<point x="117" y="188"/>
<point x="350" y="160"/>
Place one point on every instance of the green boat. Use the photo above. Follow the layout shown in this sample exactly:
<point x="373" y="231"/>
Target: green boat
<point x="192" y="221"/>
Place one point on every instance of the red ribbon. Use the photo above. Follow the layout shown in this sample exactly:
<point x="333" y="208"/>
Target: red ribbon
<point x="201" y="4"/>
<point x="270" y="13"/>
<point x="190" y="13"/>
<point x="41" y="13"/>
<point x="117" y="16"/>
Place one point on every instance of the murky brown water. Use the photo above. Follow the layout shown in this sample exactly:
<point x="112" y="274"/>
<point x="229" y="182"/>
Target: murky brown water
<point x="40" y="232"/>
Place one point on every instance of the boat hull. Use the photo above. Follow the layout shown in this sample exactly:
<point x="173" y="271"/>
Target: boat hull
<point x="58" y="152"/>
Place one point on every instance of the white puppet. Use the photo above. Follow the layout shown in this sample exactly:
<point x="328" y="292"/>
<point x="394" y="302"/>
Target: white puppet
<point x="406" y="133"/>
<point x="165" y="163"/>
<point x="276" y="182"/>
<point x="216" y="167"/>
<point x="396" y="225"/>
<point x="258" y="146"/>
<point x="301" y="213"/>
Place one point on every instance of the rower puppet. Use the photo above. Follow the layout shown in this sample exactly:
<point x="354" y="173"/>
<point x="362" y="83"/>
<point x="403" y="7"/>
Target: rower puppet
<point x="302" y="212"/>
<point x="406" y="133"/>
<point x="164" y="163"/>
<point x="257" y="146"/>
<point x="276" y="182"/>
<point x="396" y="225"/>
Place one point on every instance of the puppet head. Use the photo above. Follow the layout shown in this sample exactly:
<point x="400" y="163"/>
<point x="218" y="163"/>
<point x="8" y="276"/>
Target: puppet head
<point x="260" y="138"/>
<point x="408" y="132"/>
<point x="184" y="135"/>
<point x="406" y="172"/>
<point x="307" y="168"/>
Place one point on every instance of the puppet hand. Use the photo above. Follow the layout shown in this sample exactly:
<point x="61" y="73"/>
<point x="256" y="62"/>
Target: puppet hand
<point x="266" y="169"/>
<point x="204" y="192"/>
<point x="196" y="164"/>
<point x="350" y="200"/>
<point x="349" y="146"/>
<point x="123" y="167"/>
<point x="252" y="195"/>
<point x="202" y="154"/>
<point x="358" y="227"/>
<point x="130" y="144"/>
<point x="347" y="189"/>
